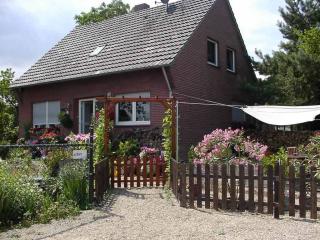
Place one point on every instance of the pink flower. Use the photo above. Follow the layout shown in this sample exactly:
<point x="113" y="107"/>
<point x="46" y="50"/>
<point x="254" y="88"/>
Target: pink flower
<point x="217" y="146"/>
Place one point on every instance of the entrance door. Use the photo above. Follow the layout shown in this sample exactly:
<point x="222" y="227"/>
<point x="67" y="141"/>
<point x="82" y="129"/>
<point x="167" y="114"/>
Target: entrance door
<point x="86" y="114"/>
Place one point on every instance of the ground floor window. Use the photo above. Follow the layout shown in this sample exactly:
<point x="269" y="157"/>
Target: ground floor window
<point x="45" y="114"/>
<point x="133" y="113"/>
<point x="87" y="111"/>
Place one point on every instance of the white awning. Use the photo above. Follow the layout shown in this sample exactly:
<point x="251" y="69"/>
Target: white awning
<point x="283" y="115"/>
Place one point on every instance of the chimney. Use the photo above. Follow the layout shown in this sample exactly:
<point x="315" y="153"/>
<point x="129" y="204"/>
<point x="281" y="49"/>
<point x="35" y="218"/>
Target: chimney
<point x="139" y="7"/>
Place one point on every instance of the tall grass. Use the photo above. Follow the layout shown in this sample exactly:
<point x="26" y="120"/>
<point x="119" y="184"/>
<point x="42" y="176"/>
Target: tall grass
<point x="19" y="198"/>
<point x="22" y="201"/>
<point x="74" y="184"/>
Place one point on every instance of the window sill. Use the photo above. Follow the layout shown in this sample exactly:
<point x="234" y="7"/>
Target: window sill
<point x="133" y="124"/>
<point x="213" y="65"/>
<point x="231" y="71"/>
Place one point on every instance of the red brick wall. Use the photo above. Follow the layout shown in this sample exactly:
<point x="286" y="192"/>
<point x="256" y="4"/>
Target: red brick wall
<point x="193" y="76"/>
<point x="70" y="92"/>
<point x="190" y="74"/>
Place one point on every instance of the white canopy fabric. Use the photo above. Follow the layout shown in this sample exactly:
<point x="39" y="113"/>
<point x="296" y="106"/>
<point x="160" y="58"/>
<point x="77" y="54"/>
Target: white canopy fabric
<point x="283" y="115"/>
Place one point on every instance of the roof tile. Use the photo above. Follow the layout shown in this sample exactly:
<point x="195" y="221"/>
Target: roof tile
<point x="137" y="40"/>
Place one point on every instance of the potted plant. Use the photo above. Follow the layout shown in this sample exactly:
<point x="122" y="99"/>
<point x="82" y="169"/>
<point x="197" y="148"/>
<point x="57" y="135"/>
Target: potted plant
<point x="65" y="120"/>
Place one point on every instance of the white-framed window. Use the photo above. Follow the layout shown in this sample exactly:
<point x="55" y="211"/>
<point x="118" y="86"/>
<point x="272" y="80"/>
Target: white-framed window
<point x="46" y="114"/>
<point x="213" y="49"/>
<point x="133" y="113"/>
<point x="231" y="60"/>
<point x="87" y="110"/>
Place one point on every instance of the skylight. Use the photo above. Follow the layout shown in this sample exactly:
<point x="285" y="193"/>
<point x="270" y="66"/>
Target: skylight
<point x="97" y="51"/>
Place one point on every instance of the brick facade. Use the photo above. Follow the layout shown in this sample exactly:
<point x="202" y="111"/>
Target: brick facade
<point x="72" y="91"/>
<point x="190" y="74"/>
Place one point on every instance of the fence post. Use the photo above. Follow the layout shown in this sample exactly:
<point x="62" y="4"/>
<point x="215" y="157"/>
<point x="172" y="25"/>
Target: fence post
<point x="91" y="174"/>
<point x="313" y="193"/>
<point x="302" y="197"/>
<point x="276" y="191"/>
<point x="183" y="185"/>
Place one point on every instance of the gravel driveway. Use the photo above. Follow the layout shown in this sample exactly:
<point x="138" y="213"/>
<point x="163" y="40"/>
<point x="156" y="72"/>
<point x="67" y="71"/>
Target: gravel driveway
<point x="146" y="214"/>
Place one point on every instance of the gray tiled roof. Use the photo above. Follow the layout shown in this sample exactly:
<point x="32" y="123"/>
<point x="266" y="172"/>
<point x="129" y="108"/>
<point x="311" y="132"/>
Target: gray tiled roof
<point x="145" y="39"/>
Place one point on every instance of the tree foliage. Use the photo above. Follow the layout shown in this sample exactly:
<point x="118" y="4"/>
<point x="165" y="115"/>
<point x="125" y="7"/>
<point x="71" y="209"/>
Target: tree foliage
<point x="8" y="106"/>
<point x="292" y="72"/>
<point x="309" y="42"/>
<point x="103" y="12"/>
<point x="297" y="15"/>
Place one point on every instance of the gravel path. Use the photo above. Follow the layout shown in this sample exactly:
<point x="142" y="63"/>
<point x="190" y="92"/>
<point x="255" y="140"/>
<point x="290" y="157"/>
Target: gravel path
<point x="146" y="214"/>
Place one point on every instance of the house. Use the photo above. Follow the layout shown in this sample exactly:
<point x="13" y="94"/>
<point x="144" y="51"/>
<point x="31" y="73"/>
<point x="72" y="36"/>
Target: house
<point x="190" y="47"/>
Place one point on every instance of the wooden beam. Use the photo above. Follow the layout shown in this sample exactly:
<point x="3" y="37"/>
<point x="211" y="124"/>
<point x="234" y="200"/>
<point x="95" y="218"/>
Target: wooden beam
<point x="106" y="127"/>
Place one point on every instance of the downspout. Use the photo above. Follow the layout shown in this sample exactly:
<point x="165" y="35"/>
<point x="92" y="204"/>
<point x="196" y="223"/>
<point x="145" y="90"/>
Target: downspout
<point x="177" y="111"/>
<point x="167" y="80"/>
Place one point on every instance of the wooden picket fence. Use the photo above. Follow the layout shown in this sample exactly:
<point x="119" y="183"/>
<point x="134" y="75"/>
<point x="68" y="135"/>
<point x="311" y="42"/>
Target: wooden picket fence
<point x="137" y="172"/>
<point x="275" y="190"/>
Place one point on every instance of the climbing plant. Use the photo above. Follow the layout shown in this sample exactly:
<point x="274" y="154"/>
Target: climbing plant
<point x="167" y="140"/>
<point x="99" y="137"/>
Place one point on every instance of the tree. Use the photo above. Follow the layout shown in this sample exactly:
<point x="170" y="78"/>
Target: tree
<point x="298" y="15"/>
<point x="8" y="106"/>
<point x="309" y="42"/>
<point x="115" y="8"/>
<point x="292" y="73"/>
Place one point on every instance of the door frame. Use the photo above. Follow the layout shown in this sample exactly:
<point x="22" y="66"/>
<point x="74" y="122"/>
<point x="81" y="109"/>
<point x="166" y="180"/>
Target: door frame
<point x="94" y="100"/>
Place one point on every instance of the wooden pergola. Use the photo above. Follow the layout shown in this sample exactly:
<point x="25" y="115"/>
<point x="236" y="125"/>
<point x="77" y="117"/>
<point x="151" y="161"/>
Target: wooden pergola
<point x="167" y="103"/>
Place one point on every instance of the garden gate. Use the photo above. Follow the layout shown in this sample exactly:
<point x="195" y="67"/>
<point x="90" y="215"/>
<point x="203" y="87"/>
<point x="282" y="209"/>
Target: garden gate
<point x="123" y="172"/>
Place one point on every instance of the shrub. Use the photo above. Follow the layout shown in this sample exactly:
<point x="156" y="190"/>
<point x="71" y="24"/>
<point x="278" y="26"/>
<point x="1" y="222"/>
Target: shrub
<point x="19" y="198"/>
<point x="53" y="158"/>
<point x="74" y="184"/>
<point x="312" y="151"/>
<point x="272" y="159"/>
<point x="228" y="146"/>
<point x="129" y="148"/>
<point x="59" y="209"/>
<point x="22" y="201"/>
<point x="65" y="120"/>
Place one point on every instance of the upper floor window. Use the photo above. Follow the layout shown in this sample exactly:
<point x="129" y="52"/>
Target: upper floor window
<point x="212" y="52"/>
<point x="231" y="60"/>
<point x="46" y="114"/>
<point x="133" y="113"/>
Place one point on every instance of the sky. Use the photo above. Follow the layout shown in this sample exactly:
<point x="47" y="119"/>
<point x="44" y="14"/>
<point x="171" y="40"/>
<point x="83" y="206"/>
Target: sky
<point x="29" y="28"/>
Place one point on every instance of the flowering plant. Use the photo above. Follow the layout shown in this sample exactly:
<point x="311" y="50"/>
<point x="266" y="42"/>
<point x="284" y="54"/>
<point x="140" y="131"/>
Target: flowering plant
<point x="147" y="151"/>
<point x="80" y="138"/>
<point x="228" y="146"/>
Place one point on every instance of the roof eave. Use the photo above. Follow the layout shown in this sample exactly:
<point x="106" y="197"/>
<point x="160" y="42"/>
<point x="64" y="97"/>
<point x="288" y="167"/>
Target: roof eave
<point x="85" y="76"/>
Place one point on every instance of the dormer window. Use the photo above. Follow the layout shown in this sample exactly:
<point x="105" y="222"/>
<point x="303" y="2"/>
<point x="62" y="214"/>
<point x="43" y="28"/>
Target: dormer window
<point x="212" y="52"/>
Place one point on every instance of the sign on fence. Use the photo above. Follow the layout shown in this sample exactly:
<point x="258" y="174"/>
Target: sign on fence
<point x="79" y="154"/>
